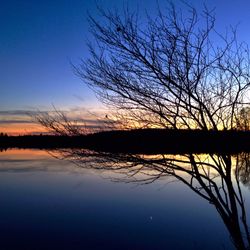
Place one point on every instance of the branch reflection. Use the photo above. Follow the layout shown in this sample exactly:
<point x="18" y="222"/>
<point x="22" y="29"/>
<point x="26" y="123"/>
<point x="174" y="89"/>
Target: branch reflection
<point x="217" y="178"/>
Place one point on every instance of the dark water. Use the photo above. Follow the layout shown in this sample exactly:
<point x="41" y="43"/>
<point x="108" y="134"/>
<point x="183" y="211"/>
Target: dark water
<point x="47" y="203"/>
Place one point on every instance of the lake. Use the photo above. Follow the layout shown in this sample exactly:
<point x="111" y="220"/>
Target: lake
<point x="52" y="200"/>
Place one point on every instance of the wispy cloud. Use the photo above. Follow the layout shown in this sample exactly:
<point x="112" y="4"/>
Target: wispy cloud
<point x="15" y="121"/>
<point x="18" y="112"/>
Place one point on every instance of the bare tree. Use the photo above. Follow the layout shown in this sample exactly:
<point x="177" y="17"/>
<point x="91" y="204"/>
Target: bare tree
<point x="173" y="70"/>
<point x="170" y="73"/>
<point x="243" y="120"/>
<point x="57" y="122"/>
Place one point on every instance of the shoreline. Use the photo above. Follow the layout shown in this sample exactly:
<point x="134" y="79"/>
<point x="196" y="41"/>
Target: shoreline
<point x="141" y="141"/>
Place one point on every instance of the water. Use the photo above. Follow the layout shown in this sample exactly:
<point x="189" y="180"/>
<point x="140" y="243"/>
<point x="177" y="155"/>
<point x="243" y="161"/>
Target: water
<point x="48" y="203"/>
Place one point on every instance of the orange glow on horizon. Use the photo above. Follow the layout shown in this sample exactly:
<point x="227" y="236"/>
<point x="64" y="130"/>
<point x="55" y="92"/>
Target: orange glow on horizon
<point x="22" y="129"/>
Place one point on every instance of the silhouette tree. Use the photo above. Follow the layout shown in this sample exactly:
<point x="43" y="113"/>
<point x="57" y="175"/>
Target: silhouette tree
<point x="58" y="123"/>
<point x="243" y="121"/>
<point x="173" y="70"/>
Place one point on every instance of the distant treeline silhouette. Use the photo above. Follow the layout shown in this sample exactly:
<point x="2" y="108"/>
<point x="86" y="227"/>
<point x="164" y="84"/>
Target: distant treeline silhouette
<point x="143" y="141"/>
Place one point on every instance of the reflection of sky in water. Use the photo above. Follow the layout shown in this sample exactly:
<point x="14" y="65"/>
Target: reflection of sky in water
<point x="51" y="204"/>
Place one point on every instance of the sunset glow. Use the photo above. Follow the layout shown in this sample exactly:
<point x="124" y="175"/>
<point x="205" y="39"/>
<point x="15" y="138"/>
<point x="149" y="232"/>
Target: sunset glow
<point x="40" y="40"/>
<point x="22" y="129"/>
<point x="125" y="124"/>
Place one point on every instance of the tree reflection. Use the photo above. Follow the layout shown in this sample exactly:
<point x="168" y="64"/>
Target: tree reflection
<point x="216" y="178"/>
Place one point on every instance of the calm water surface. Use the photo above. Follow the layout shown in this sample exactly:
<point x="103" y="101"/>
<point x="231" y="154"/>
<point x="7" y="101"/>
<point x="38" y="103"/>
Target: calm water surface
<point x="48" y="203"/>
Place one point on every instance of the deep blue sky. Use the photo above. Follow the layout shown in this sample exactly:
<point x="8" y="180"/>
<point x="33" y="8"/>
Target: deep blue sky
<point x="39" y="38"/>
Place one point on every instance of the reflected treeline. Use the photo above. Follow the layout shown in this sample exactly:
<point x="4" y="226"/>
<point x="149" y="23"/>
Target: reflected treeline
<point x="243" y="168"/>
<point x="217" y="178"/>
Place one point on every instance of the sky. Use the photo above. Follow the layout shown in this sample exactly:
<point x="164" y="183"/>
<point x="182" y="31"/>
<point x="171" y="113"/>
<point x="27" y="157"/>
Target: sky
<point x="40" y="39"/>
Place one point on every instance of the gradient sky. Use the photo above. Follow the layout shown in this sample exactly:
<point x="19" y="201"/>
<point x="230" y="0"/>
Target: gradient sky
<point x="38" y="39"/>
